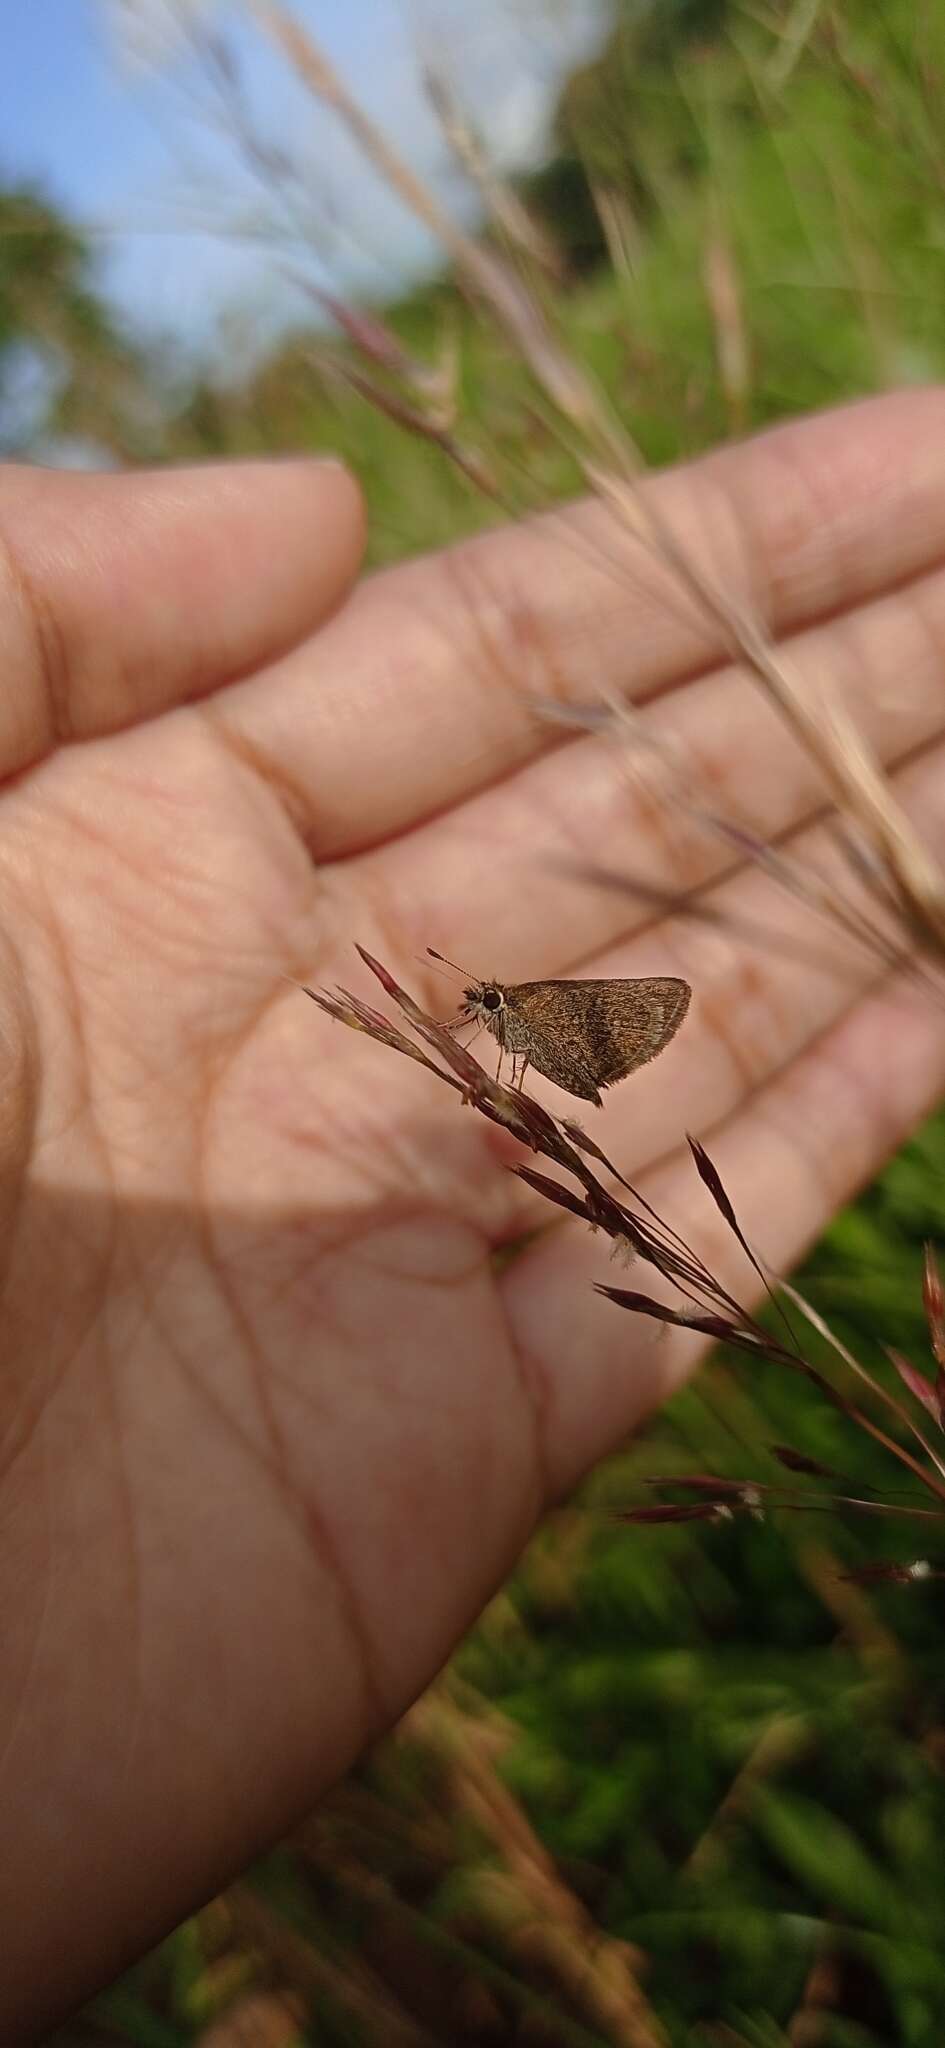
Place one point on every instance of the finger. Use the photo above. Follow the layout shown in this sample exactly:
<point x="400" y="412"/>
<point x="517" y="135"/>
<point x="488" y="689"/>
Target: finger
<point x="788" y="1160"/>
<point x="123" y="595"/>
<point x="769" y="977"/>
<point x="425" y="688"/>
<point x="501" y="882"/>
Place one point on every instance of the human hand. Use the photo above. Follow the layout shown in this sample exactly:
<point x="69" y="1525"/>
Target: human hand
<point x="273" y="1426"/>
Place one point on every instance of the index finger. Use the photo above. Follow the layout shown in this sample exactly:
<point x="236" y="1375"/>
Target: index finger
<point x="424" y="689"/>
<point x="124" y="595"/>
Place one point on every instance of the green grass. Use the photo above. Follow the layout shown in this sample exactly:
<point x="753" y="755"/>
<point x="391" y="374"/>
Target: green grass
<point x="825" y="193"/>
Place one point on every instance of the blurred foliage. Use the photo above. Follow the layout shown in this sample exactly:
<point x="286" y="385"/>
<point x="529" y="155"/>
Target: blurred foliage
<point x="696" y="1755"/>
<point x="770" y="188"/>
<point x="66" y="373"/>
<point x="772" y="183"/>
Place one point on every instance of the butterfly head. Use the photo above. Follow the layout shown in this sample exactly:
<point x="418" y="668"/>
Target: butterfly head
<point x="485" y="1001"/>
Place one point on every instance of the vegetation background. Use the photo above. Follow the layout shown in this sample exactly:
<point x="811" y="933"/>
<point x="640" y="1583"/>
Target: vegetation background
<point x="683" y="1784"/>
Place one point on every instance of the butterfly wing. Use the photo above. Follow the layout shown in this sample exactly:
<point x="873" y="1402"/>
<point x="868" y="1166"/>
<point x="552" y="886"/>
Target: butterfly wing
<point x="643" y="1015"/>
<point x="599" y="1031"/>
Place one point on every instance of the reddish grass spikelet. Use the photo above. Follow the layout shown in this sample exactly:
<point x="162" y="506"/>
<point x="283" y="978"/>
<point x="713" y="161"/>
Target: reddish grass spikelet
<point x="933" y="1297"/>
<point x="755" y="1495"/>
<point x="893" y="1574"/>
<point x="922" y="1388"/>
<point x="367" y="332"/>
<point x="675" y="1511"/>
<point x="719" y="1327"/>
<point x="422" y="420"/>
<point x="931" y="1393"/>
<point x="706" y="1305"/>
<point x="798" y="1461"/>
<point x="706" y="1482"/>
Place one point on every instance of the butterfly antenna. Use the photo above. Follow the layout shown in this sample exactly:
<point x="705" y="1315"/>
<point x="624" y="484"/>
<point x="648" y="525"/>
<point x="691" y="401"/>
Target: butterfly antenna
<point x="465" y="976"/>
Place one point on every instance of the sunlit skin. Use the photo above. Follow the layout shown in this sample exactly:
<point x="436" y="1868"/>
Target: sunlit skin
<point x="274" y="1423"/>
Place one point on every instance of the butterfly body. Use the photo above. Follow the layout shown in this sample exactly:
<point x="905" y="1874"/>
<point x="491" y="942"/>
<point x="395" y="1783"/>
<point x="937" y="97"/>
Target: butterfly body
<point x="583" y="1035"/>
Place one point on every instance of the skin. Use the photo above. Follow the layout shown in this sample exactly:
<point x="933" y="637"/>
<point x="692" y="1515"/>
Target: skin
<point x="272" y="1428"/>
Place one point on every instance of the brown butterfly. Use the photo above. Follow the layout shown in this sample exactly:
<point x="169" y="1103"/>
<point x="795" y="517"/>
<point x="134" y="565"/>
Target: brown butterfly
<point x="583" y="1035"/>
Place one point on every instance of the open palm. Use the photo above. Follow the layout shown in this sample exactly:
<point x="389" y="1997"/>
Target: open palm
<point x="273" y="1425"/>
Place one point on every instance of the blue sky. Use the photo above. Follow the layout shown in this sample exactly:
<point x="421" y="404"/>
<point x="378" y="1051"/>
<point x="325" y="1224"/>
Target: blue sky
<point x="135" y="152"/>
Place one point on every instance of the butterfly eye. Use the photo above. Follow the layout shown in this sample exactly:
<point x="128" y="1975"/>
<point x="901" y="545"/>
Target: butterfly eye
<point x="491" y="999"/>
